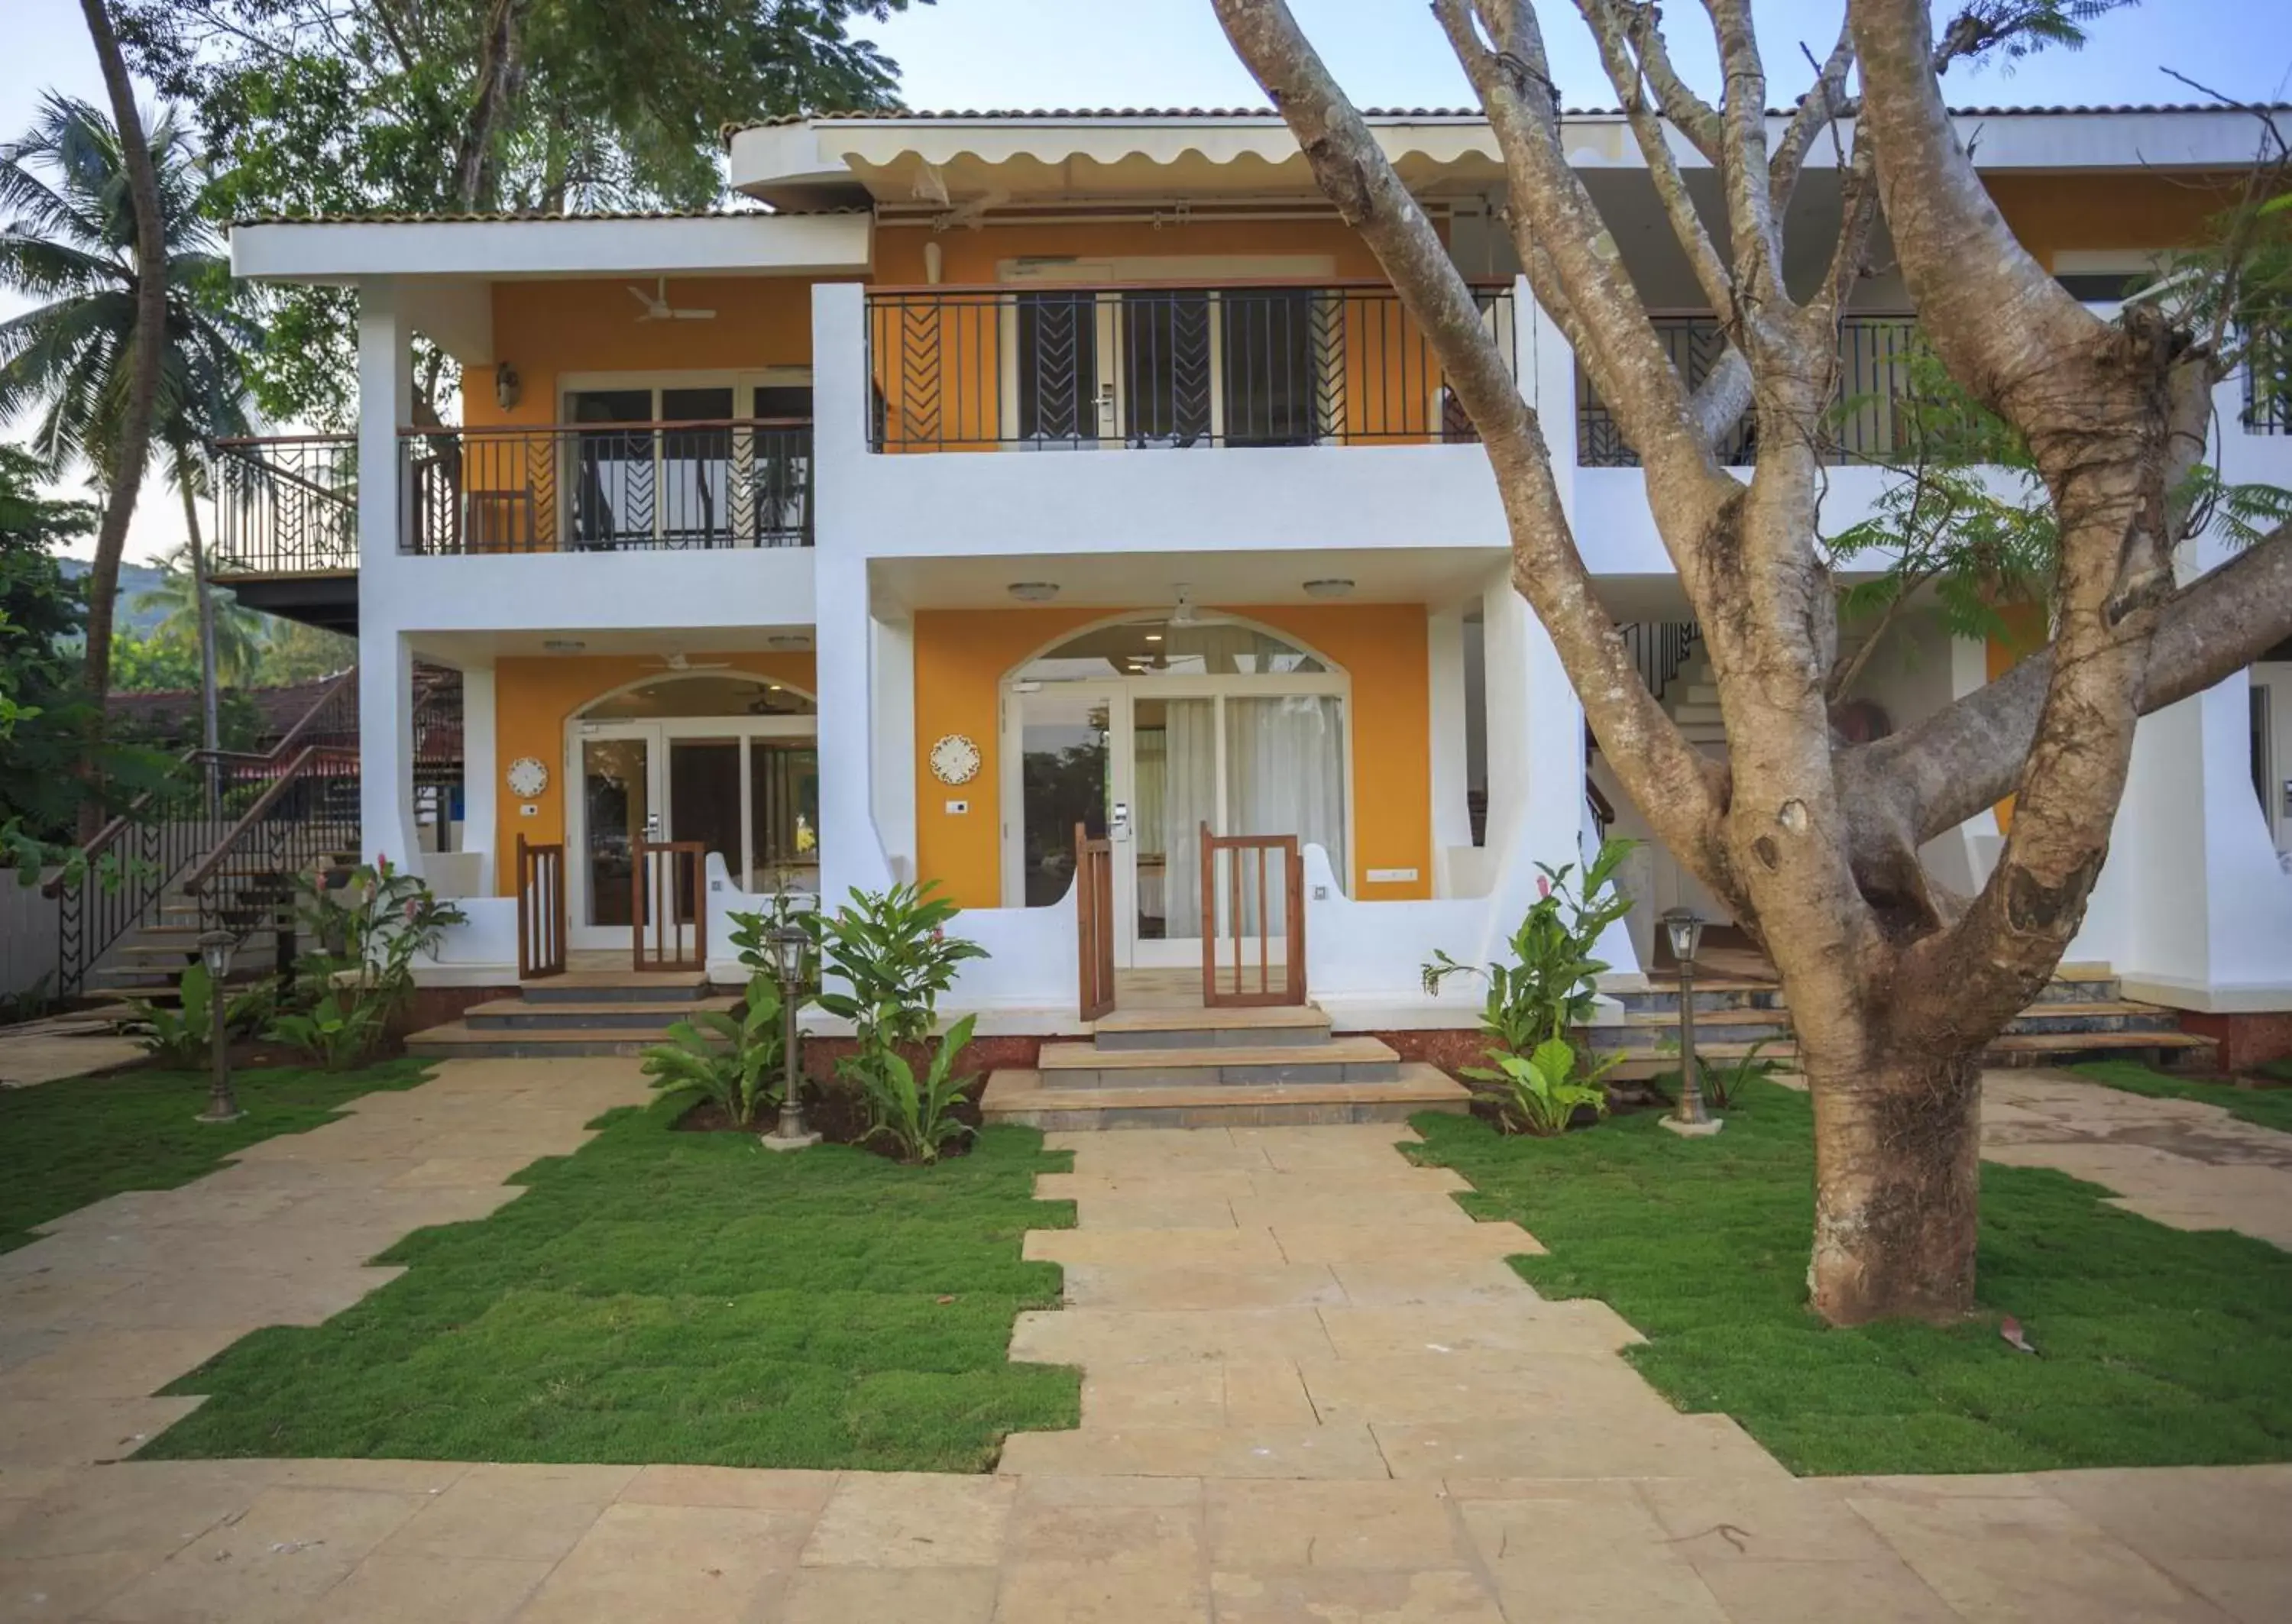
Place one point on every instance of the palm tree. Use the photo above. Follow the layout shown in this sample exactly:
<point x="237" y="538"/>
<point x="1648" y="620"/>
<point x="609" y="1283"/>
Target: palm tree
<point x="236" y="635"/>
<point x="68" y="242"/>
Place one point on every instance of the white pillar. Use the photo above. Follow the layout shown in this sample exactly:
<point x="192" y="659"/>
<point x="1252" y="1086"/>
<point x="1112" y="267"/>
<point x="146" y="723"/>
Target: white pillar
<point x="481" y="775"/>
<point x="851" y="855"/>
<point x="1452" y="824"/>
<point x="894" y="754"/>
<point x="385" y="378"/>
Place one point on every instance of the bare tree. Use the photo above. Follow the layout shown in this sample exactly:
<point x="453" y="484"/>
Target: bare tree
<point x="1895" y="984"/>
<point x="150" y="352"/>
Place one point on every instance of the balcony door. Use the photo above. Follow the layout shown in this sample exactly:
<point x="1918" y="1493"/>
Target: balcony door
<point x="1162" y="365"/>
<point x="685" y="459"/>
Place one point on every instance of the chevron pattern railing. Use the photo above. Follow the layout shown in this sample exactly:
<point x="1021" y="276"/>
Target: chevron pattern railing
<point x="1138" y="366"/>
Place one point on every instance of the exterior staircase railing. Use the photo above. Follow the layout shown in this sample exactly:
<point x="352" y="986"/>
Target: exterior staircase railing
<point x="223" y="809"/>
<point x="1661" y="649"/>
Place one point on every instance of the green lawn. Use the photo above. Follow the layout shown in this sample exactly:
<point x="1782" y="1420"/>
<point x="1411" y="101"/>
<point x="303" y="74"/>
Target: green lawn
<point x="679" y="1296"/>
<point x="65" y="1143"/>
<point x="2157" y="1347"/>
<point x="2268" y="1107"/>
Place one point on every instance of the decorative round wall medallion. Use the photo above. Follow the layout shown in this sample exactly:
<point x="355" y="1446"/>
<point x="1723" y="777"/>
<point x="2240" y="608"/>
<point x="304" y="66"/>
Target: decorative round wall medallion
<point x="527" y="777"/>
<point x="955" y="760"/>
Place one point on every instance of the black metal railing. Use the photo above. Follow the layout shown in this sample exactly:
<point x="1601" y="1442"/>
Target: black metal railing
<point x="215" y="813"/>
<point x="2267" y="386"/>
<point x="1875" y="354"/>
<point x="575" y="488"/>
<point x="286" y="505"/>
<point x="1072" y="368"/>
<point x="1660" y="649"/>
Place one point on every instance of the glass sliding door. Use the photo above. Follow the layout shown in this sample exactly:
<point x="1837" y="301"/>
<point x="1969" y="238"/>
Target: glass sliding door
<point x="1065" y="758"/>
<point x="782" y="815"/>
<point x="619" y="806"/>
<point x="1175" y="744"/>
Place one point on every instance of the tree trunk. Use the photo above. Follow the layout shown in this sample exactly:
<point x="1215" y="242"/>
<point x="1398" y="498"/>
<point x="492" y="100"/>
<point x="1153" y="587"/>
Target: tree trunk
<point x="1897" y="1183"/>
<point x="126" y="477"/>
<point x="210" y="684"/>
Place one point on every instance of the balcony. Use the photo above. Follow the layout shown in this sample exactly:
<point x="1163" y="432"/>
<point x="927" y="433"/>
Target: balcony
<point x="618" y="487"/>
<point x="286" y="537"/>
<point x="1158" y="368"/>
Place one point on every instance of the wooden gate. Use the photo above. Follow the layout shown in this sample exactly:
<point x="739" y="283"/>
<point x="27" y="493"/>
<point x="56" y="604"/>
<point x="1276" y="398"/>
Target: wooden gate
<point x="1094" y="917"/>
<point x="1257" y="872"/>
<point x="540" y="910"/>
<point x="668" y="904"/>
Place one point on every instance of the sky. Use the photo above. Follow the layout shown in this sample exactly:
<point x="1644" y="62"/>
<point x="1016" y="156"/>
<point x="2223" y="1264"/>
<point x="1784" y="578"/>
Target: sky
<point x="1033" y="53"/>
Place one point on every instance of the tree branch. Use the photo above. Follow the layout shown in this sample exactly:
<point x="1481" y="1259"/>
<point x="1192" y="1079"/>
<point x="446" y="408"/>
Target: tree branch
<point x="1753" y="227"/>
<point x="1676" y="783"/>
<point x="1818" y="110"/>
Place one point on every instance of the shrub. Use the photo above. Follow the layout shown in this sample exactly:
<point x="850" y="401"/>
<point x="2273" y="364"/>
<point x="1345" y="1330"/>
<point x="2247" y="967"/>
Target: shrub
<point x="183" y="1037"/>
<point x="733" y="1064"/>
<point x="1722" y="1080"/>
<point x="918" y="1117"/>
<point x="1540" y="1092"/>
<point x="371" y="930"/>
<point x="338" y="1029"/>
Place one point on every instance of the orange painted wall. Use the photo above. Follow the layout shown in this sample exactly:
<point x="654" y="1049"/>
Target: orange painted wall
<point x="535" y="698"/>
<point x="962" y="655"/>
<point x="2054" y="213"/>
<point x="2025" y="634"/>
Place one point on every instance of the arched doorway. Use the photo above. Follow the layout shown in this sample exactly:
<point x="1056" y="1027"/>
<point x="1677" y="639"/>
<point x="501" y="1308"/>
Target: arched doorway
<point x="724" y="757"/>
<point x="1143" y="728"/>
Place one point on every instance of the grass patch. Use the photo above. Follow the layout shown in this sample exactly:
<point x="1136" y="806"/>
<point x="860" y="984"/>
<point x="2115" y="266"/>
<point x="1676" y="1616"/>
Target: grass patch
<point x="79" y="1139"/>
<point x="2158" y="1347"/>
<point x="2265" y="1107"/>
<point x="2281" y="1070"/>
<point x="660" y="1296"/>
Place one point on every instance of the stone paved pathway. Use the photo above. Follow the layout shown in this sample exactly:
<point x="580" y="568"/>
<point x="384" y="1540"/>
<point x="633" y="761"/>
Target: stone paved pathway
<point x="60" y="1046"/>
<point x="2179" y="1161"/>
<point x="1313" y="1392"/>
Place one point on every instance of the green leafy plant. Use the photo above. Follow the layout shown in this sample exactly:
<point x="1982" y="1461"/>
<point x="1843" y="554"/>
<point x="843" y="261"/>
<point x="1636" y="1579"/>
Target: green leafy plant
<point x="918" y="1117"/>
<point x="1540" y="1092"/>
<point x="183" y="1036"/>
<point x="733" y="1064"/>
<point x="1722" y="1081"/>
<point x="337" y="1031"/>
<point x="1549" y="986"/>
<point x="371" y="930"/>
<point x="890" y="957"/>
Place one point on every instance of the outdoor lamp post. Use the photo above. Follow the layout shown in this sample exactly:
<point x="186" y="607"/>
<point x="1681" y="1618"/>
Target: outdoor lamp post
<point x="215" y="952"/>
<point x="1684" y="928"/>
<point x="785" y="944"/>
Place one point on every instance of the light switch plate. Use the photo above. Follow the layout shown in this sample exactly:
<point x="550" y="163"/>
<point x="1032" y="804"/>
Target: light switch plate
<point x="528" y="810"/>
<point x="1392" y="876"/>
<point x="956" y="808"/>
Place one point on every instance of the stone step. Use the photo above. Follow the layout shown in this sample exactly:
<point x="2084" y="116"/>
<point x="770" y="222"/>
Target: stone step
<point x="1695" y="715"/>
<point x="616" y="986"/>
<point x="1702" y="694"/>
<point x="2113" y="1014"/>
<point x="1285" y="1025"/>
<point x="1085" y="1065"/>
<point x="2011" y="1049"/>
<point x="1713" y="994"/>
<point x="1024" y="1096"/>
<point x="459" y="1041"/>
<point x="525" y="1015"/>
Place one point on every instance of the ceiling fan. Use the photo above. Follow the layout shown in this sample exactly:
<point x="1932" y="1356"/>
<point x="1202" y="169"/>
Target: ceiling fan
<point x="656" y="307"/>
<point x="680" y="662"/>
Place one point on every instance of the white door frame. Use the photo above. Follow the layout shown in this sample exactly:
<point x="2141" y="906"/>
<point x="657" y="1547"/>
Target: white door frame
<point x="1122" y="694"/>
<point x="659" y="732"/>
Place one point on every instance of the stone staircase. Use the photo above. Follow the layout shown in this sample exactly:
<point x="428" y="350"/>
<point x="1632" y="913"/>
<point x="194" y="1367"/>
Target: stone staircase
<point x="1225" y="1068"/>
<point x="2081" y="1016"/>
<point x="579" y="1013"/>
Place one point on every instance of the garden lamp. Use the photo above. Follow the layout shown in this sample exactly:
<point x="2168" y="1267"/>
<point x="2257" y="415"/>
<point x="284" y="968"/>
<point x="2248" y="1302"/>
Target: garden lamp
<point x="1684" y="926"/>
<point x="785" y="944"/>
<point x="214" y="953"/>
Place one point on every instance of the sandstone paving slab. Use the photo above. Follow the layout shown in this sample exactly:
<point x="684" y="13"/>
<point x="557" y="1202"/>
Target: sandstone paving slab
<point x="1092" y="1593"/>
<point x="1196" y="1392"/>
<point x="1094" y="1337"/>
<point x="1157" y="1248"/>
<point x="1207" y="1452"/>
<point x="434" y="1589"/>
<point x="1119" y="1523"/>
<point x="297" y="1296"/>
<point x="718" y="1485"/>
<point x="889" y="1596"/>
<point x="83" y="1431"/>
<point x="2203" y="1513"/>
<point x="912" y="1519"/>
<point x="60" y="1588"/>
<point x="1372" y="1180"/>
<point x="2027" y="1557"/>
<point x="1216" y="1184"/>
<point x="1304" y="1523"/>
<point x="272" y="1562"/>
<point x="112" y="1364"/>
<point x="1714" y="1522"/>
<point x="1173" y="1147"/>
<point x="150" y="1508"/>
<point x="1199" y="1286"/>
<point x="1363" y="1243"/>
<point x="1407" y="1282"/>
<point x="1465" y="1387"/>
<point x="1881" y="1590"/>
<point x="1453" y="1596"/>
<point x="45" y="1299"/>
<point x="2251" y="1591"/>
<point x="486" y="1515"/>
<point x="1590" y="1550"/>
<point x="1155" y="1213"/>
<point x="1529" y="1326"/>
<point x="1574" y="1445"/>
<point x="1329" y="1202"/>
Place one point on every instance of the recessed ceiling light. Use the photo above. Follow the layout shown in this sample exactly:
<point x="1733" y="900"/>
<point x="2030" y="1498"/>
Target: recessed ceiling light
<point x="772" y="687"/>
<point x="1153" y="636"/>
<point x="1034" y="591"/>
<point x="788" y="639"/>
<point x="1329" y="586"/>
<point x="564" y="645"/>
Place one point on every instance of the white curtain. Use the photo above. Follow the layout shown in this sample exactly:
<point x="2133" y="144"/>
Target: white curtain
<point x="1188" y="801"/>
<point x="1285" y="775"/>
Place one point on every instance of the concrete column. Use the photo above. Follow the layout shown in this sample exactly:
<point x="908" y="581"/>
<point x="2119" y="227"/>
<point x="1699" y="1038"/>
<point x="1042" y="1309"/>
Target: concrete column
<point x="894" y="739"/>
<point x="480" y="776"/>
<point x="385" y="379"/>
<point x="1452" y="824"/>
<point x="851" y="854"/>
